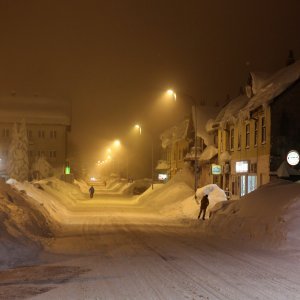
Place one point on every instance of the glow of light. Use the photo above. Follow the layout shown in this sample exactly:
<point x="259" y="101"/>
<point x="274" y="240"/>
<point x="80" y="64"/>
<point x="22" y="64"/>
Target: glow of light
<point x="93" y="179"/>
<point x="137" y="126"/>
<point x="108" y="157"/>
<point x="108" y="150"/>
<point x="171" y="93"/>
<point x="117" y="143"/>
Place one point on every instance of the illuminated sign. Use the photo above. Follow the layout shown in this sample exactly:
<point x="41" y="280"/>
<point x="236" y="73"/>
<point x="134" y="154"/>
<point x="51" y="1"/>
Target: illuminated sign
<point x="162" y="176"/>
<point x="67" y="170"/>
<point x="216" y="169"/>
<point x="242" y="166"/>
<point x="293" y="158"/>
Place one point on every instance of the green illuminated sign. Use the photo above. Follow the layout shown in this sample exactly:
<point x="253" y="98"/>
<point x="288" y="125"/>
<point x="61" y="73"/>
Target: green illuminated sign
<point x="67" y="170"/>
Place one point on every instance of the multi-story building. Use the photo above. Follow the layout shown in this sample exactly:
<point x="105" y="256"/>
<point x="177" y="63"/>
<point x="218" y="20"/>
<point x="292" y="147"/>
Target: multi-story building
<point x="178" y="143"/>
<point x="47" y="121"/>
<point x="256" y="131"/>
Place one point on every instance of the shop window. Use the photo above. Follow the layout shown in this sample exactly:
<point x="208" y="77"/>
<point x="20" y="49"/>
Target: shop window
<point x="251" y="183"/>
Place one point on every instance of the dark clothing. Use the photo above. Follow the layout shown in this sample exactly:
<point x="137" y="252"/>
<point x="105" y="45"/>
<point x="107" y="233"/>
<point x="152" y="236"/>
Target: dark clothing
<point x="92" y="191"/>
<point x="203" y="206"/>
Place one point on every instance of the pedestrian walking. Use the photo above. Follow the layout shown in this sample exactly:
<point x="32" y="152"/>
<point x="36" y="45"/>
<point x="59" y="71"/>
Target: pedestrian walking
<point x="203" y="206"/>
<point x="92" y="191"/>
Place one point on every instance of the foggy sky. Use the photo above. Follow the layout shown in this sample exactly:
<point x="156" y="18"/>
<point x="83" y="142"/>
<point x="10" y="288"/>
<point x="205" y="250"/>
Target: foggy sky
<point x="114" y="59"/>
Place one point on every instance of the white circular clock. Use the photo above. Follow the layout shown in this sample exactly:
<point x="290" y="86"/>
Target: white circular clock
<point x="293" y="158"/>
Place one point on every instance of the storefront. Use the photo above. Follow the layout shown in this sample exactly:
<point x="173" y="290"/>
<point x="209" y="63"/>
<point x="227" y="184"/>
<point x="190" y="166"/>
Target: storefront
<point x="244" y="181"/>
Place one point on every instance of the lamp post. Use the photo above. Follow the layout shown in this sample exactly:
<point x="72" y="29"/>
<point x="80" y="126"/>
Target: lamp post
<point x="171" y="93"/>
<point x="139" y="128"/>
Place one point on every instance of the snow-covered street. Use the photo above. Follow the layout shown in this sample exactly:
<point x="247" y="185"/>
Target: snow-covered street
<point x="120" y="247"/>
<point x="163" y="262"/>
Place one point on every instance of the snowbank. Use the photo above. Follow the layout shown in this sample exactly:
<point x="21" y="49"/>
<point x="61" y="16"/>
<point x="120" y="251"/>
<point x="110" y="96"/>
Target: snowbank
<point x="22" y="228"/>
<point x="267" y="216"/>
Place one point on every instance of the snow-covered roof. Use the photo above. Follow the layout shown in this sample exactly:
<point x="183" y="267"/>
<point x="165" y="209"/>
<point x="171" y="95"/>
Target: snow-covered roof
<point x="229" y="113"/>
<point x="272" y="88"/>
<point x="224" y="157"/>
<point x="162" y="165"/>
<point x="208" y="153"/>
<point x="35" y="110"/>
<point x="175" y="133"/>
<point x="204" y="114"/>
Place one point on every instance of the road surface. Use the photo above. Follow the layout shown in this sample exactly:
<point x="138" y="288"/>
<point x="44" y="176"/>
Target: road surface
<point x="122" y="258"/>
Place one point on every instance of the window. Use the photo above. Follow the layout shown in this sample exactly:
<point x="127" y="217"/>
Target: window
<point x="255" y="132"/>
<point x="52" y="154"/>
<point x="247" y="135"/>
<point x="239" y="141"/>
<point x="53" y="134"/>
<point x="227" y="135"/>
<point x="5" y="132"/>
<point x="263" y="130"/>
<point x="231" y="139"/>
<point x="221" y="141"/>
<point x="216" y="143"/>
<point x="41" y="134"/>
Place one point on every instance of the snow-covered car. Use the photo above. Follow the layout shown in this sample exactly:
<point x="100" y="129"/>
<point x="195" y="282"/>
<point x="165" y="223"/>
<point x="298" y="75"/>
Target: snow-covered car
<point x="215" y="195"/>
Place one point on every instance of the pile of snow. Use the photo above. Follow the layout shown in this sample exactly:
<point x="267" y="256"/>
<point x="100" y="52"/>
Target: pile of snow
<point x="23" y="228"/>
<point x="267" y="216"/>
<point x="138" y="187"/>
<point x="285" y="170"/>
<point x="83" y="186"/>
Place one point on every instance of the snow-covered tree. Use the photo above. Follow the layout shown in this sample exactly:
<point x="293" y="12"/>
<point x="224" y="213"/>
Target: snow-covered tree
<point x="18" y="165"/>
<point x="41" y="168"/>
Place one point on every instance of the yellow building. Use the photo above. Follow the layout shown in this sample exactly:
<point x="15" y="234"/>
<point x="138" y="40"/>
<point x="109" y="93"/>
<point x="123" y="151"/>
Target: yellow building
<point x="248" y="130"/>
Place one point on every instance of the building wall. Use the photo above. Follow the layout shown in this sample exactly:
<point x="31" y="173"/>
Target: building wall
<point x="45" y="140"/>
<point x="176" y="154"/>
<point x="239" y="140"/>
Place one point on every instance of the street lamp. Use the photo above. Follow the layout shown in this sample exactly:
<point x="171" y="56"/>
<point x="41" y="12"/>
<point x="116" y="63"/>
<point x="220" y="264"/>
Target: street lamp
<point x="171" y="93"/>
<point x="139" y="128"/>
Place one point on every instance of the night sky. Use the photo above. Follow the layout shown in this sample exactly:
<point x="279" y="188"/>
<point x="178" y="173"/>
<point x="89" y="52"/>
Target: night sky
<point x="114" y="59"/>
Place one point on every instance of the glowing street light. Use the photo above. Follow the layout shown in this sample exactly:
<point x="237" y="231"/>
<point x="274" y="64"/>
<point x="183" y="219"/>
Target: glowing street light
<point x="171" y="93"/>
<point x="138" y="127"/>
<point x="117" y="143"/>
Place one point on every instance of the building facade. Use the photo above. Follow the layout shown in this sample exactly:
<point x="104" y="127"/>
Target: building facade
<point x="256" y="130"/>
<point x="48" y="123"/>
